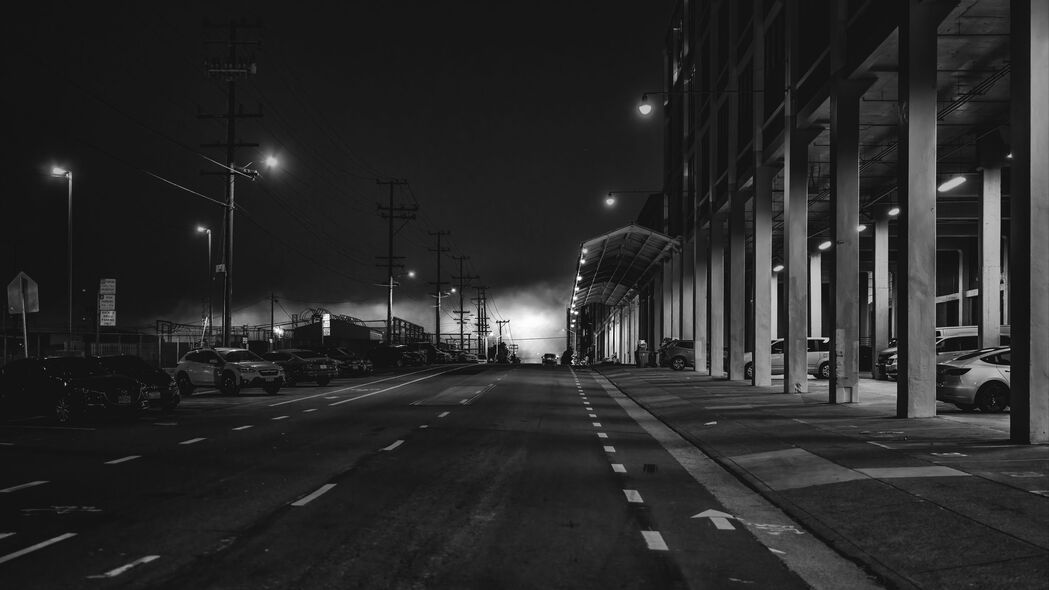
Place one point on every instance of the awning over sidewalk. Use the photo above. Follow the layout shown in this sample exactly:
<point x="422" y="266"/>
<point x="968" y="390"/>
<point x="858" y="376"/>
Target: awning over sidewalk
<point x="612" y="265"/>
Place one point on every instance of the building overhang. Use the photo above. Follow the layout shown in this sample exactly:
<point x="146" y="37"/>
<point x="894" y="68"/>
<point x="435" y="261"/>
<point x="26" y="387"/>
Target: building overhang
<point x="612" y="266"/>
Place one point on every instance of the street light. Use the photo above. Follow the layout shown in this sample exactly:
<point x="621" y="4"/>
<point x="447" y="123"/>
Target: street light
<point x="58" y="172"/>
<point x="825" y="245"/>
<point x="610" y="200"/>
<point x="211" y="280"/>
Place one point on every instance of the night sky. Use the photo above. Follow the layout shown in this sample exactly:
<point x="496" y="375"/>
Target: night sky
<point x="510" y="124"/>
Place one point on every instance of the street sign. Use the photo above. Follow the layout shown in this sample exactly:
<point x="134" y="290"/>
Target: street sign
<point x="107" y="302"/>
<point x="326" y="324"/>
<point x="23" y="289"/>
<point x="107" y="318"/>
<point x="107" y="287"/>
<point x="220" y="268"/>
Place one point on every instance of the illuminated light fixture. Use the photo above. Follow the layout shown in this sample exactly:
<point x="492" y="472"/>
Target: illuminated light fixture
<point x="582" y="261"/>
<point x="861" y="227"/>
<point x="644" y="108"/>
<point x="777" y="268"/>
<point x="579" y="277"/>
<point x="825" y="245"/>
<point x="1009" y="156"/>
<point x="584" y="250"/>
<point x="894" y="211"/>
<point x="574" y="297"/>
<point x="578" y="288"/>
<point x="411" y="274"/>
<point x="58" y="171"/>
<point x="951" y="184"/>
<point x="271" y="161"/>
<point x="610" y="200"/>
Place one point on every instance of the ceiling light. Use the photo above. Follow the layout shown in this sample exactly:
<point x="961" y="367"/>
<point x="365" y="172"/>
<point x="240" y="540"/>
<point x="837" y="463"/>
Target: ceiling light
<point x="777" y="268"/>
<point x="894" y="211"/>
<point x="952" y="183"/>
<point x="644" y="108"/>
<point x="861" y="227"/>
<point x="825" y="245"/>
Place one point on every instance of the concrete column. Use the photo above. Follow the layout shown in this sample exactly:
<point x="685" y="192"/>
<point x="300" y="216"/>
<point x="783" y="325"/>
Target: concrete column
<point x="1029" y="223"/>
<point x="700" y="327"/>
<point x="717" y="294"/>
<point x="688" y="287"/>
<point x="990" y="237"/>
<point x="815" y="294"/>
<point x="916" y="384"/>
<point x="764" y="323"/>
<point x="667" y="301"/>
<point x="774" y="319"/>
<point x="845" y="196"/>
<point x="737" y="284"/>
<point x="864" y="305"/>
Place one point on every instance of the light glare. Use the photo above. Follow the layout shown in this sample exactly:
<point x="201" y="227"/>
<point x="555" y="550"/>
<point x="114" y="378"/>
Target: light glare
<point x="777" y="268"/>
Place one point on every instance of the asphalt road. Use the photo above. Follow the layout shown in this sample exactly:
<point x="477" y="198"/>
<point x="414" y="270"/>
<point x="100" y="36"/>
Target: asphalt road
<point x="442" y="477"/>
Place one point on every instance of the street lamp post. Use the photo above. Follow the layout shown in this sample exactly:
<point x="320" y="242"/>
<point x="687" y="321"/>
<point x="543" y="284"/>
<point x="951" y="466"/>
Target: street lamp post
<point x="610" y="199"/>
<point x="210" y="281"/>
<point x="68" y="174"/>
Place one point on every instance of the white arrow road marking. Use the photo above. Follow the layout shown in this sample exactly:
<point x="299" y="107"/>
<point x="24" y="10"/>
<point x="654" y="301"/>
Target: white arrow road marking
<point x="633" y="497"/>
<point x="618" y="468"/>
<point x="245" y="427"/>
<point x="393" y="446"/>
<point x="191" y="441"/>
<point x="655" y="541"/>
<point x="609" y="449"/>
<point x="116" y="572"/>
<point x="33" y="548"/>
<point x="719" y="518"/>
<point x="316" y="494"/>
<point x="23" y="486"/>
<point x="123" y="459"/>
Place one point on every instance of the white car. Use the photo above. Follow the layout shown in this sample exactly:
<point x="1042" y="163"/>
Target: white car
<point x="978" y="379"/>
<point x="228" y="369"/>
<point x="818" y="358"/>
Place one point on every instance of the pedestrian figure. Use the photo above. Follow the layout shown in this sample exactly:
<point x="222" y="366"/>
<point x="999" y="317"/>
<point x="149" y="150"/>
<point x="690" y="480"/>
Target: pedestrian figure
<point x="641" y="354"/>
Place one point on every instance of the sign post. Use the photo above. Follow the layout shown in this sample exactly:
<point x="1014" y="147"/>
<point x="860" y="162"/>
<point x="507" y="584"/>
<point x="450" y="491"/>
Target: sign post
<point x="23" y="296"/>
<point x="107" y="309"/>
<point x="325" y="326"/>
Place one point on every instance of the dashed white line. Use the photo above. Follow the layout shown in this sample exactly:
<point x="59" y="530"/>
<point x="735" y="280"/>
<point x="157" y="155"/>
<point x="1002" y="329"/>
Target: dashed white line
<point x="33" y="548"/>
<point x="117" y="571"/>
<point x="633" y="497"/>
<point x="191" y="441"/>
<point x="279" y="418"/>
<point x="425" y="426"/>
<point x="7" y="444"/>
<point x="591" y="415"/>
<point x="316" y="494"/>
<point x="123" y="459"/>
<point x="602" y="435"/>
<point x="609" y="449"/>
<point x="22" y="486"/>
<point x="618" y="468"/>
<point x="393" y="446"/>
<point x="443" y="414"/>
<point x="6" y="535"/>
<point x="596" y="424"/>
<point x="245" y="427"/>
<point x="655" y="541"/>
<point x="308" y="410"/>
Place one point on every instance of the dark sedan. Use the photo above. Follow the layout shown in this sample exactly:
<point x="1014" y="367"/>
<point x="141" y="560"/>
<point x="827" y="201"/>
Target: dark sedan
<point x="67" y="388"/>
<point x="348" y="362"/>
<point x="396" y="355"/>
<point x="302" y="365"/>
<point x="158" y="385"/>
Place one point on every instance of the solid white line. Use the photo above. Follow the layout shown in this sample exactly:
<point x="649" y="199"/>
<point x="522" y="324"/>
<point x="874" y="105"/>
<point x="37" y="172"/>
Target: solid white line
<point x="393" y="446"/>
<point x="299" y="399"/>
<point x="116" y="572"/>
<point x="6" y="535"/>
<point x="443" y="414"/>
<point x="123" y="459"/>
<point x="633" y="497"/>
<point x="350" y="399"/>
<point x="596" y="424"/>
<point x="245" y="427"/>
<point x="23" y="486"/>
<point x="33" y="548"/>
<point x="191" y="441"/>
<point x="618" y="468"/>
<point x="609" y="449"/>
<point x="602" y="435"/>
<point x="316" y="494"/>
<point x="308" y="410"/>
<point x="6" y="444"/>
<point x="655" y="541"/>
<point x="279" y="418"/>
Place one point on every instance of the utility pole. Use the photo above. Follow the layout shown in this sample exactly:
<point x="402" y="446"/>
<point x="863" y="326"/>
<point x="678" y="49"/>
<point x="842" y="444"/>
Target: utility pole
<point x="437" y="286"/>
<point x="231" y="68"/>
<point x="461" y="313"/>
<point x="390" y="212"/>
<point x="273" y="299"/>
<point x="501" y="322"/>
<point x="482" y="321"/>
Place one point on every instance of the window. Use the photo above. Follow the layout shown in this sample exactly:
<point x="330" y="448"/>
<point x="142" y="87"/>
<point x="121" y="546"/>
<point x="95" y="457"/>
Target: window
<point x="206" y="356"/>
<point x="777" y="347"/>
<point x="687" y="344"/>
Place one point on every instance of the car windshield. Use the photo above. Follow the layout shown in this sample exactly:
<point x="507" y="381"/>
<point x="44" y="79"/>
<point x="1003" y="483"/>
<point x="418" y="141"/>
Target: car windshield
<point x="74" y="367"/>
<point x="239" y="356"/>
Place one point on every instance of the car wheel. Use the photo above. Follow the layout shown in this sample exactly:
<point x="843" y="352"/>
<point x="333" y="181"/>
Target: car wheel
<point x="271" y="388"/>
<point x="228" y="384"/>
<point x="677" y="363"/>
<point x="185" y="386"/>
<point x="748" y="371"/>
<point x="992" y="398"/>
<point x="824" y="371"/>
<point x="63" y="410"/>
<point x="323" y="381"/>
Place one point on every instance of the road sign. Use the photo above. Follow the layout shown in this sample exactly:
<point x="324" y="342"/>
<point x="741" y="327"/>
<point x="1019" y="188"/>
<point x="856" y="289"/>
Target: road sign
<point x="326" y="324"/>
<point x="220" y="268"/>
<point x="107" y="286"/>
<point x="107" y="302"/>
<point x="107" y="318"/>
<point x="23" y="290"/>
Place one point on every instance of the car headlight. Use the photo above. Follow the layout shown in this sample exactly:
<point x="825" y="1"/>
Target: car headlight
<point x="248" y="370"/>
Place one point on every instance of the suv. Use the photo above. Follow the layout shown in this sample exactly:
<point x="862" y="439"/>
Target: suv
<point x="946" y="341"/>
<point x="817" y="358"/>
<point x="678" y="354"/>
<point x="550" y="359"/>
<point x="948" y="348"/>
<point x="228" y="369"/>
<point x="303" y="365"/>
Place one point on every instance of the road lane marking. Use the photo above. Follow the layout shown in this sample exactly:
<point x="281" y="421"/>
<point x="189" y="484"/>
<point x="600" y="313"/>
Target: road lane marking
<point x="618" y="468"/>
<point x="123" y="459"/>
<point x="591" y="415"/>
<point x="655" y="541"/>
<point x="393" y="446"/>
<point x="350" y="399"/>
<point x="443" y="414"/>
<point x="331" y="397"/>
<point x="245" y="427"/>
<point x="33" y="548"/>
<point x="602" y="435"/>
<point x="7" y="444"/>
<point x="633" y="497"/>
<point x="596" y="424"/>
<point x="299" y="399"/>
<point x="425" y="426"/>
<point x="308" y="410"/>
<point x="23" y="486"/>
<point x="609" y="449"/>
<point x="165" y="424"/>
<point x="117" y="571"/>
<point x="279" y="418"/>
<point x="316" y="494"/>
<point x="191" y="441"/>
<point x="6" y="535"/>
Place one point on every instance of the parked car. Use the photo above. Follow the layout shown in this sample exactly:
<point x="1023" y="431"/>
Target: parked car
<point x="948" y="339"/>
<point x="302" y="365"/>
<point x="158" y="386"/>
<point x="978" y="379"/>
<point x="395" y="355"/>
<point x="348" y="362"/>
<point x="947" y="348"/>
<point x="432" y="353"/>
<point x="228" y="369"/>
<point x="817" y="358"/>
<point x="67" y="388"/>
<point x="678" y="354"/>
<point x="467" y="357"/>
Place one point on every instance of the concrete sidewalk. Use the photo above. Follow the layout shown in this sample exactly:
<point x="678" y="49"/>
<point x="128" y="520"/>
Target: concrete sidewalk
<point x="943" y="502"/>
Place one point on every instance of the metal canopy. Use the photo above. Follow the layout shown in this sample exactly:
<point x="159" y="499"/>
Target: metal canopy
<point x="612" y="265"/>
